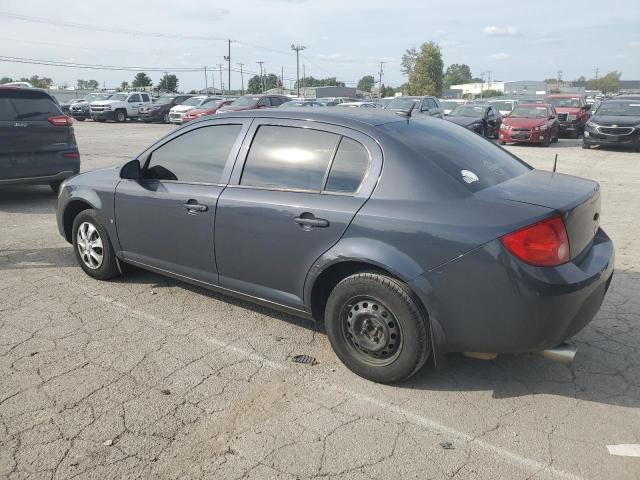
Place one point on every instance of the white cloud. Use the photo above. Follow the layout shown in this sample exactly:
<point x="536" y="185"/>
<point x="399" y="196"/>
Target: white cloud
<point x="500" y="31"/>
<point x="500" y="56"/>
<point x="635" y="43"/>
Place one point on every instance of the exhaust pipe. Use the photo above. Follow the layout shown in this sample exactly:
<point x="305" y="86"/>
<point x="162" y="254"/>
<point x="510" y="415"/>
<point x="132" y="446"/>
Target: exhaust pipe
<point x="563" y="353"/>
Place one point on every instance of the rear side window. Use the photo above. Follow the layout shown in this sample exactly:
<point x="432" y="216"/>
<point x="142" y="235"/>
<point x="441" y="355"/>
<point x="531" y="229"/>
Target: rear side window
<point x="349" y="167"/>
<point x="27" y="108"/>
<point x="198" y="156"/>
<point x="145" y="97"/>
<point x="469" y="159"/>
<point x="289" y="157"/>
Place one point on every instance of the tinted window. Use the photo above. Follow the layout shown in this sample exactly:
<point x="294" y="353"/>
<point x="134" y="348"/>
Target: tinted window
<point x="466" y="157"/>
<point x="145" y="97"/>
<point x="288" y="157"/>
<point x="349" y="167"/>
<point x="134" y="98"/>
<point x="431" y="103"/>
<point x="275" y="101"/>
<point x="265" y="102"/>
<point x="24" y="108"/>
<point x="197" y="156"/>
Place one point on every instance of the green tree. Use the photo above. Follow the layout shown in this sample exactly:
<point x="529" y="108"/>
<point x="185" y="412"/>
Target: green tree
<point x="387" y="91"/>
<point x="492" y="93"/>
<point x="87" y="84"/>
<point x="409" y="59"/>
<point x="254" y="85"/>
<point x="141" y="80"/>
<point x="269" y="82"/>
<point x="425" y="69"/>
<point x="168" y="83"/>
<point x="319" y="82"/>
<point x="4" y="80"/>
<point x="124" y="85"/>
<point x="38" y="82"/>
<point x="456" y="74"/>
<point x="366" y="83"/>
<point x="607" y="84"/>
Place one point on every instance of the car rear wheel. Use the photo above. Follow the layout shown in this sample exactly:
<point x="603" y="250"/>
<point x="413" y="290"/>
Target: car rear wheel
<point x="121" y="116"/>
<point x="376" y="328"/>
<point x="92" y="247"/>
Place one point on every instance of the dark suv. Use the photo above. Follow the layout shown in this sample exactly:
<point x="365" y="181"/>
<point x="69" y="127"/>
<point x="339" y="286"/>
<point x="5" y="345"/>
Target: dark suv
<point x="158" y="111"/>
<point x="250" y="102"/>
<point x="37" y="140"/>
<point x="430" y="106"/>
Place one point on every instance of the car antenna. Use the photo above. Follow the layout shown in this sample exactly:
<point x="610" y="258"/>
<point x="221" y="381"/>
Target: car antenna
<point x="406" y="113"/>
<point x="555" y="163"/>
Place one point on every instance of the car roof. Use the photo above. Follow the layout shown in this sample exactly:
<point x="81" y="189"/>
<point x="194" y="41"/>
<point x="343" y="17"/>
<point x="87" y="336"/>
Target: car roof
<point x="535" y="105"/>
<point x="565" y="95"/>
<point x="366" y="117"/>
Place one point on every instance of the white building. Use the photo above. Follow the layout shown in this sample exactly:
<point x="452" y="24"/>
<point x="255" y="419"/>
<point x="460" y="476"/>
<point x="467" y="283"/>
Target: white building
<point x="515" y="88"/>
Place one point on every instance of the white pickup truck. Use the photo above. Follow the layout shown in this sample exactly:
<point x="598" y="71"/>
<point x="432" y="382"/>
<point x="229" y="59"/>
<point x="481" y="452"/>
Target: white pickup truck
<point x="121" y="106"/>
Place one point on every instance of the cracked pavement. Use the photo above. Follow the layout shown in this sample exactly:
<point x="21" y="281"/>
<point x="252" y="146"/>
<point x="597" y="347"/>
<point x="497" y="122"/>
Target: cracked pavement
<point x="147" y="377"/>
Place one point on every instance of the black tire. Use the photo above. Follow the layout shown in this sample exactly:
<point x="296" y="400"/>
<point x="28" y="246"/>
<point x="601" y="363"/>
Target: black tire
<point x="108" y="268"/>
<point x="556" y="138"/>
<point x="576" y="133"/>
<point x="101" y="120"/>
<point x="385" y="308"/>
<point x="165" y="118"/>
<point x="585" y="145"/>
<point x="81" y="119"/>
<point x="120" y="116"/>
<point x="547" y="141"/>
<point x="55" y="186"/>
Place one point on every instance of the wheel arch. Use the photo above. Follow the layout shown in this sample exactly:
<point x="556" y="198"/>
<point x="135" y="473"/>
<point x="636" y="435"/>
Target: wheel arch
<point x="71" y="211"/>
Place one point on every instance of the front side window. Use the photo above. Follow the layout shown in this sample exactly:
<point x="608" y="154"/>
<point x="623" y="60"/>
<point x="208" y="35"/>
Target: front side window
<point x="145" y="97"/>
<point x="134" y="98"/>
<point x="198" y="156"/>
<point x="288" y="157"/>
<point x="349" y="167"/>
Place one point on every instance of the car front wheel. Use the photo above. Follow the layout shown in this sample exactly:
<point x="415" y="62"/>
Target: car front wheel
<point x="376" y="327"/>
<point x="92" y="247"/>
<point x="121" y="116"/>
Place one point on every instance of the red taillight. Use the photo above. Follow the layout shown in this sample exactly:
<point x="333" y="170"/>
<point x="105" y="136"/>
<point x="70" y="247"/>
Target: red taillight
<point x="544" y="244"/>
<point x="71" y="155"/>
<point x="60" y="121"/>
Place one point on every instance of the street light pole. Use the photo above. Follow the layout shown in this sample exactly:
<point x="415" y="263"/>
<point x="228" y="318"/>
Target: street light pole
<point x="297" y="49"/>
<point x="228" y="59"/>
<point x="241" y="78"/>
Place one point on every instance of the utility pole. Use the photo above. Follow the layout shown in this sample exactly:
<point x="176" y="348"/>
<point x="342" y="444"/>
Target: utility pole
<point x="228" y="59"/>
<point x="297" y="49"/>
<point x="261" y="77"/>
<point x="481" y="85"/>
<point x="281" y="79"/>
<point x="559" y="78"/>
<point x="380" y="73"/>
<point x="304" y="75"/>
<point x="241" y="77"/>
<point x="489" y="80"/>
<point x="597" y="71"/>
<point x="206" y="80"/>
<point x="221" y="84"/>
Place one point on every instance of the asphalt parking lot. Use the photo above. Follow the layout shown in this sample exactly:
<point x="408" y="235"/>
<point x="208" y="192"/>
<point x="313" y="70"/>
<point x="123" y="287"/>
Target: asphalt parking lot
<point x="147" y="377"/>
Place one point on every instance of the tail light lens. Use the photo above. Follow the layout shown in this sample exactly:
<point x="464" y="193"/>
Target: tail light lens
<point x="60" y="121"/>
<point x="544" y="244"/>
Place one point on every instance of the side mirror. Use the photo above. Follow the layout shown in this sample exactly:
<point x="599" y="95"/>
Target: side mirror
<point x="131" y="170"/>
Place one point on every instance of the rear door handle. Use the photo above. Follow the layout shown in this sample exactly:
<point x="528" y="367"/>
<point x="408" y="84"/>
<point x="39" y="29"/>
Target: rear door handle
<point x="311" y="222"/>
<point x="193" y="206"/>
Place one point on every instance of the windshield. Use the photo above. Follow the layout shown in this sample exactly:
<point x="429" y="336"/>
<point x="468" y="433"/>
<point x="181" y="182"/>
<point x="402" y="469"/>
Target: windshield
<point x="245" y="101"/>
<point x="211" y="103"/>
<point x="403" y="103"/>
<point x="468" y="111"/>
<point x="192" y="102"/>
<point x="163" y="100"/>
<point x="92" y="97"/>
<point x="503" y="106"/>
<point x="620" y="109"/>
<point x="564" y="102"/>
<point x="449" y="105"/>
<point x="119" y="97"/>
<point x="529" y="112"/>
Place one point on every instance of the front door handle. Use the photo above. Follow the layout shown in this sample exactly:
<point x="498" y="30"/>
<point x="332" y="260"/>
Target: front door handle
<point x="308" y="220"/>
<point x="193" y="206"/>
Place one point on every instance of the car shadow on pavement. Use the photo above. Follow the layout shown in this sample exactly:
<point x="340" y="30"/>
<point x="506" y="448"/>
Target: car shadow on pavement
<point x="33" y="199"/>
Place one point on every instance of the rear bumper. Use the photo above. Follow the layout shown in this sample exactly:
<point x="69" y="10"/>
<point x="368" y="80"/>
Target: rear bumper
<point x="488" y="301"/>
<point x="41" y="180"/>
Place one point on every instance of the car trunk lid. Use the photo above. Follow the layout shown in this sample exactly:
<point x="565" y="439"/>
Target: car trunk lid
<point x="576" y="199"/>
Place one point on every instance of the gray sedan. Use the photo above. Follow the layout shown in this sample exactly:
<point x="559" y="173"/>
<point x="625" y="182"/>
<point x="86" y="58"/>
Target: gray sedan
<point x="408" y="237"/>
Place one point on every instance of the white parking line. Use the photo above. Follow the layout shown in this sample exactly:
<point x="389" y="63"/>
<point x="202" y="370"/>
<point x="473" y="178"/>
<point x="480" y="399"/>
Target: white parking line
<point x="625" y="450"/>
<point x="420" y="420"/>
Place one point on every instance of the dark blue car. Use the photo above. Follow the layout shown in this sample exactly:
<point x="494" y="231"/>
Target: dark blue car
<point x="408" y="237"/>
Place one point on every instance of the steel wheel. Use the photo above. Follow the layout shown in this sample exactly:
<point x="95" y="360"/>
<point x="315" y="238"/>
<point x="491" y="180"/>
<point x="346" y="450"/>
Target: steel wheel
<point x="120" y="116"/>
<point x="90" y="245"/>
<point x="371" y="331"/>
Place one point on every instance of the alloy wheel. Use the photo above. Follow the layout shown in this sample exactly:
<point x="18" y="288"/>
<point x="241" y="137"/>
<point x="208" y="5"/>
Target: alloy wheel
<point x="89" y="245"/>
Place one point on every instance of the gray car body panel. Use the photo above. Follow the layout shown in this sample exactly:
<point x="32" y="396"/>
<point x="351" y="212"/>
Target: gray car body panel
<point x="426" y="229"/>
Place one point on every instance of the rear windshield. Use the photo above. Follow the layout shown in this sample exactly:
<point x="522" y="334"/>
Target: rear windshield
<point x="469" y="159"/>
<point x="19" y="106"/>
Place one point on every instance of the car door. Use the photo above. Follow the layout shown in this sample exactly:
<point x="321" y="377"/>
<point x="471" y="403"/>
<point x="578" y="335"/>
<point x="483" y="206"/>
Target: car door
<point x="292" y="194"/>
<point x="492" y="116"/>
<point x="165" y="220"/>
<point x="133" y="104"/>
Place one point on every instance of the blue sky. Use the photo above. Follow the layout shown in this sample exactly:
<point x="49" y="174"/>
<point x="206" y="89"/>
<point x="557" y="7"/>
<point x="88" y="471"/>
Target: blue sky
<point x="345" y="39"/>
